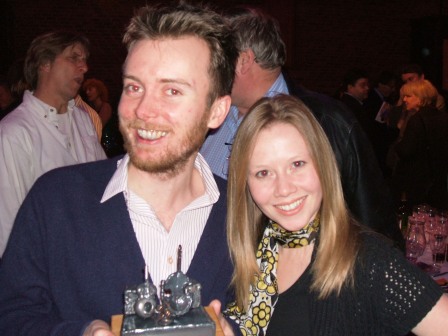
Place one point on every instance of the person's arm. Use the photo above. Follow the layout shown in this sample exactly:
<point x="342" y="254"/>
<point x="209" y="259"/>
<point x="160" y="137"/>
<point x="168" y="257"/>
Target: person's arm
<point x="26" y="294"/>
<point x="365" y="190"/>
<point x="105" y="113"/>
<point x="16" y="177"/>
<point x="435" y="323"/>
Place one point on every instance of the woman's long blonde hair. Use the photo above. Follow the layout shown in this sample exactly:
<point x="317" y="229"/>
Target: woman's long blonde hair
<point x="338" y="243"/>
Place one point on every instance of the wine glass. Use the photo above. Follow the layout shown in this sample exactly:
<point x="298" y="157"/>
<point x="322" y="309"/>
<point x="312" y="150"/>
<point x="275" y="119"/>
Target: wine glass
<point x="415" y="239"/>
<point x="437" y="244"/>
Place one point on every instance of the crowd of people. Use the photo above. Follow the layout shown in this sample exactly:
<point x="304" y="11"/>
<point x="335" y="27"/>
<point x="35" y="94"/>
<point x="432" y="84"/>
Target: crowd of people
<point x="406" y="127"/>
<point x="281" y="198"/>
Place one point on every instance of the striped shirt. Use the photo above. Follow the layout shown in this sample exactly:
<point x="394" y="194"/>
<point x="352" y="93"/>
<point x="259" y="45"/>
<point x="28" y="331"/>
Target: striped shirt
<point x="92" y="114"/>
<point x="218" y="145"/>
<point x="158" y="246"/>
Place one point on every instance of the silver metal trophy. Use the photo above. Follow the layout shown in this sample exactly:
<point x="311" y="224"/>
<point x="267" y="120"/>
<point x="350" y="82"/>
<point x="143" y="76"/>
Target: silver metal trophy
<point x="177" y="310"/>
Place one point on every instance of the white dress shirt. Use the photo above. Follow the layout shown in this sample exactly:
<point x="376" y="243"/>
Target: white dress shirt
<point x="32" y="144"/>
<point x="158" y="246"/>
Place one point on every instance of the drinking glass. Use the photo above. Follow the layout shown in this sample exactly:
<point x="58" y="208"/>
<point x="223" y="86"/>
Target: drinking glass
<point x="437" y="243"/>
<point x="420" y="211"/>
<point x="415" y="239"/>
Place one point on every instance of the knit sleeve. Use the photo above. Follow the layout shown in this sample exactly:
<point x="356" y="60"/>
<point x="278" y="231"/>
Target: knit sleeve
<point x="403" y="293"/>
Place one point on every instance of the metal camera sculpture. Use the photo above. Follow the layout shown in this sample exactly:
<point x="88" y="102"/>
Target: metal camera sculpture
<point x="177" y="311"/>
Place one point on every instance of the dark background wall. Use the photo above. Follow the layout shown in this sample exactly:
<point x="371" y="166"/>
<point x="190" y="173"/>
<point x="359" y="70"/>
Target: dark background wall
<point x="324" y="38"/>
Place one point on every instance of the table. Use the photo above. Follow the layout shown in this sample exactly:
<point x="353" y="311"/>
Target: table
<point x="117" y="321"/>
<point x="427" y="259"/>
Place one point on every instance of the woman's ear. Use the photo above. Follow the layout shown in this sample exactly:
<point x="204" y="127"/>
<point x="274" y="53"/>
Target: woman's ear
<point x="219" y="111"/>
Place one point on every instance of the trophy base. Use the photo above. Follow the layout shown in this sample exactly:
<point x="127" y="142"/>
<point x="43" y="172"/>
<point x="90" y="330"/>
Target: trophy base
<point x="194" y="323"/>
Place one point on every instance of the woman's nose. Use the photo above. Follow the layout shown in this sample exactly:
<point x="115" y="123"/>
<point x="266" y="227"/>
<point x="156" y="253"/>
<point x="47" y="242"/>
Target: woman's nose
<point x="284" y="185"/>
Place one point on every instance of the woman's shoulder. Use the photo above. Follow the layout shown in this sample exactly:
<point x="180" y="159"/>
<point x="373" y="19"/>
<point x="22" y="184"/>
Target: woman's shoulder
<point x="373" y="241"/>
<point x="376" y="251"/>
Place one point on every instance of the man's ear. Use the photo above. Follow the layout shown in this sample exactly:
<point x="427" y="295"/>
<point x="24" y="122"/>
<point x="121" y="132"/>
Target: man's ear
<point x="245" y="60"/>
<point x="45" y="67"/>
<point x="219" y="111"/>
<point x="350" y="88"/>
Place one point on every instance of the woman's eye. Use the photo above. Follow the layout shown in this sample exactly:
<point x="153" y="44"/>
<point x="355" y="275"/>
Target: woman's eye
<point x="262" y="173"/>
<point x="297" y="164"/>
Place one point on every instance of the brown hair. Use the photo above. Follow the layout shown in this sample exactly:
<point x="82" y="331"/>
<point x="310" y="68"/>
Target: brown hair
<point x="45" y="48"/>
<point x="100" y="87"/>
<point x="159" y="21"/>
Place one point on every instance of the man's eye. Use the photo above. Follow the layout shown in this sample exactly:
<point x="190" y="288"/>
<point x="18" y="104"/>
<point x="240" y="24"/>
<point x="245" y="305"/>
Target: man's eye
<point x="173" y="92"/>
<point x="72" y="59"/>
<point x="133" y="88"/>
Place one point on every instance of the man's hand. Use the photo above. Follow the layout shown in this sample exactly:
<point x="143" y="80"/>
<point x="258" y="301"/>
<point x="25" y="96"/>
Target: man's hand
<point x="98" y="328"/>
<point x="226" y="328"/>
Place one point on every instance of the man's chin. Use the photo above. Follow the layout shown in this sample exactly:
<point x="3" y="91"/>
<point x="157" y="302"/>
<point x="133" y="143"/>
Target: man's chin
<point x="151" y="164"/>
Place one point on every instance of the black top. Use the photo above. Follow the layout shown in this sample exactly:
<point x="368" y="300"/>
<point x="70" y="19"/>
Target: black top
<point x="286" y="320"/>
<point x="390" y="297"/>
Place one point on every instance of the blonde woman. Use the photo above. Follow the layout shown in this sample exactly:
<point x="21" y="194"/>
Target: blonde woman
<point x="302" y="264"/>
<point x="422" y="149"/>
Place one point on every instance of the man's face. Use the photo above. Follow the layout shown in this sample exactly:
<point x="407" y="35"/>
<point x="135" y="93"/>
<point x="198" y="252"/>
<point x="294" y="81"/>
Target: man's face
<point x="360" y="89"/>
<point x="387" y="89"/>
<point x="163" y="112"/>
<point x="410" y="77"/>
<point x="239" y="90"/>
<point x="66" y="72"/>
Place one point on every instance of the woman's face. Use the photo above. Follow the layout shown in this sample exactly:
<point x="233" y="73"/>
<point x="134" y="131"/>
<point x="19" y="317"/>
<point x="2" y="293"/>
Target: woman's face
<point x="282" y="178"/>
<point x="92" y="93"/>
<point x="412" y="102"/>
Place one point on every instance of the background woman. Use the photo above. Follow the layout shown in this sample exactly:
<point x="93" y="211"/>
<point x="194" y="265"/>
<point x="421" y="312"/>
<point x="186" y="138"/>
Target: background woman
<point x="98" y="96"/>
<point x="302" y="265"/>
<point x="422" y="151"/>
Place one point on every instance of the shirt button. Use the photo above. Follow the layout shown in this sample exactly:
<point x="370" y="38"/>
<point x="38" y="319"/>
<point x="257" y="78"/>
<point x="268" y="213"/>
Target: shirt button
<point x="170" y="260"/>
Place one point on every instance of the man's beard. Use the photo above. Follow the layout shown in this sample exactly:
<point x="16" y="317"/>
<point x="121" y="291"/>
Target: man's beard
<point x="174" y="160"/>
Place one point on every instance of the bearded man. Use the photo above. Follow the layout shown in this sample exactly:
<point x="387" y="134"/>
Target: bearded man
<point x="86" y="232"/>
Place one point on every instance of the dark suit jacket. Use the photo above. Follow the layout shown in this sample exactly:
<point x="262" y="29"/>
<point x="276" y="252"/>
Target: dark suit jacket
<point x="423" y="151"/>
<point x="365" y="190"/>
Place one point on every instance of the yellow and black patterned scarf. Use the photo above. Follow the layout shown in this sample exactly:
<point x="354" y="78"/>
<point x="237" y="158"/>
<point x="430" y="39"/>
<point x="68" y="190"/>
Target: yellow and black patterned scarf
<point x="264" y="290"/>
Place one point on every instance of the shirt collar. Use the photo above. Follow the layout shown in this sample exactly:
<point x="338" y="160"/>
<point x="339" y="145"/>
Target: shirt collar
<point x="278" y="87"/>
<point x="379" y="93"/>
<point x="359" y="101"/>
<point x="118" y="182"/>
<point x="46" y="111"/>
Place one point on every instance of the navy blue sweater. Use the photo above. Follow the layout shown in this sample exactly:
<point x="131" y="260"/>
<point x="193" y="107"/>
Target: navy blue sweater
<point x="70" y="257"/>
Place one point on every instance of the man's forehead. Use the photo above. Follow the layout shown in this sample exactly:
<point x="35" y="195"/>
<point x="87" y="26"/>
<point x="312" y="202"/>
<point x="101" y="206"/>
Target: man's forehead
<point x="76" y="48"/>
<point x="362" y="80"/>
<point x="409" y="75"/>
